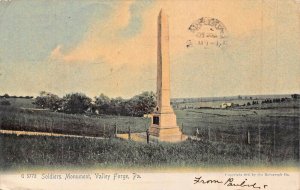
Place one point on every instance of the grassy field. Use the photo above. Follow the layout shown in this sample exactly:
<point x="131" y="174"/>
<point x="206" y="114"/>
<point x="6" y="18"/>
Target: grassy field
<point x="289" y="103"/>
<point x="23" y="115"/>
<point x="274" y="138"/>
<point x="44" y="121"/>
<point x="12" y="118"/>
<point x="274" y="132"/>
<point x="20" y="102"/>
<point x="33" y="151"/>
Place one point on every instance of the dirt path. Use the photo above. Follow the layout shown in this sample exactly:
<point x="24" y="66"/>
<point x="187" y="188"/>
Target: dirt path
<point x="31" y="133"/>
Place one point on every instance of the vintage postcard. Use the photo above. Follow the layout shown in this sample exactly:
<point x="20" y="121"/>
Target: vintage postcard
<point x="150" y="94"/>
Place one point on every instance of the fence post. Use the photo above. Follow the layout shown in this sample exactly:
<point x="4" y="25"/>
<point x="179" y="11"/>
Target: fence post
<point x="104" y="130"/>
<point x="208" y="133"/>
<point x="116" y="130"/>
<point x="148" y="135"/>
<point x="259" y="143"/>
<point x="274" y="141"/>
<point x="25" y="120"/>
<point x="248" y="137"/>
<point x="222" y="137"/>
<point x="182" y="127"/>
<point x="296" y="143"/>
<point x="129" y="133"/>
<point x="299" y="143"/>
<point x="197" y="132"/>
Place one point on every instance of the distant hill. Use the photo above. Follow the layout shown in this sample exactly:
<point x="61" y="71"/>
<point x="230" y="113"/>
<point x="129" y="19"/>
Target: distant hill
<point x="19" y="102"/>
<point x="228" y="98"/>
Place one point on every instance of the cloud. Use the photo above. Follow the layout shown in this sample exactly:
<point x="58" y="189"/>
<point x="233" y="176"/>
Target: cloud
<point x="102" y="39"/>
<point x="128" y="62"/>
<point x="112" y="49"/>
<point x="56" y="53"/>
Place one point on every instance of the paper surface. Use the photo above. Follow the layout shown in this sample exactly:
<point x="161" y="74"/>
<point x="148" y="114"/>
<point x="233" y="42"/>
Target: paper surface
<point x="234" y="87"/>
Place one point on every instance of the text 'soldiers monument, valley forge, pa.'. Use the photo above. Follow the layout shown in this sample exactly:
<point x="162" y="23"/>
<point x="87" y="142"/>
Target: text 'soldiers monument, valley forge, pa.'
<point x="164" y="126"/>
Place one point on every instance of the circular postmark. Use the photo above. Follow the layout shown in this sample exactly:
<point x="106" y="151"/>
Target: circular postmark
<point x="207" y="32"/>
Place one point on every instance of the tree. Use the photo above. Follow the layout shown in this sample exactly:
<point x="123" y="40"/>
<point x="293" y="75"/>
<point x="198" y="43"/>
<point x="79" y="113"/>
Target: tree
<point x="76" y="103"/>
<point x="129" y="107"/>
<point x="295" y="96"/>
<point x="6" y="96"/>
<point x="141" y="104"/>
<point x="102" y="103"/>
<point x="117" y="106"/>
<point x="48" y="100"/>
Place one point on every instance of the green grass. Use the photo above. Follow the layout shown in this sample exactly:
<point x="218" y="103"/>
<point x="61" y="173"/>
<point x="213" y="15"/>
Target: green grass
<point x="36" y="151"/>
<point x="20" y="102"/>
<point x="223" y="133"/>
<point x="275" y="131"/>
<point x="44" y="121"/>
<point x="12" y="118"/>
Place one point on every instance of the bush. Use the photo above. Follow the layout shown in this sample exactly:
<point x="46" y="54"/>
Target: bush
<point x="6" y="96"/>
<point x="48" y="100"/>
<point x="138" y="105"/>
<point x="102" y="103"/>
<point x="295" y="96"/>
<point x="141" y="104"/>
<point x="76" y="103"/>
<point x="5" y="103"/>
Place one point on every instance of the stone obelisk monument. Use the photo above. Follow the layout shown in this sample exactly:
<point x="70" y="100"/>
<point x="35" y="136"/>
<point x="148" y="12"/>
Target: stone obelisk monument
<point x="164" y="126"/>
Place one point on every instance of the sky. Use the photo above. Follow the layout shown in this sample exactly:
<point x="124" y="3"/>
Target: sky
<point x="110" y="47"/>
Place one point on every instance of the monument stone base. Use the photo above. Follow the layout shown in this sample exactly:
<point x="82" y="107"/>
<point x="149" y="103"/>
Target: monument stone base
<point x="164" y="128"/>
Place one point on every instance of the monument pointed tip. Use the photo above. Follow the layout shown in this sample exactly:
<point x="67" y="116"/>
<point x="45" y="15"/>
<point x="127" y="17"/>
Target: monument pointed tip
<point x="162" y="12"/>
